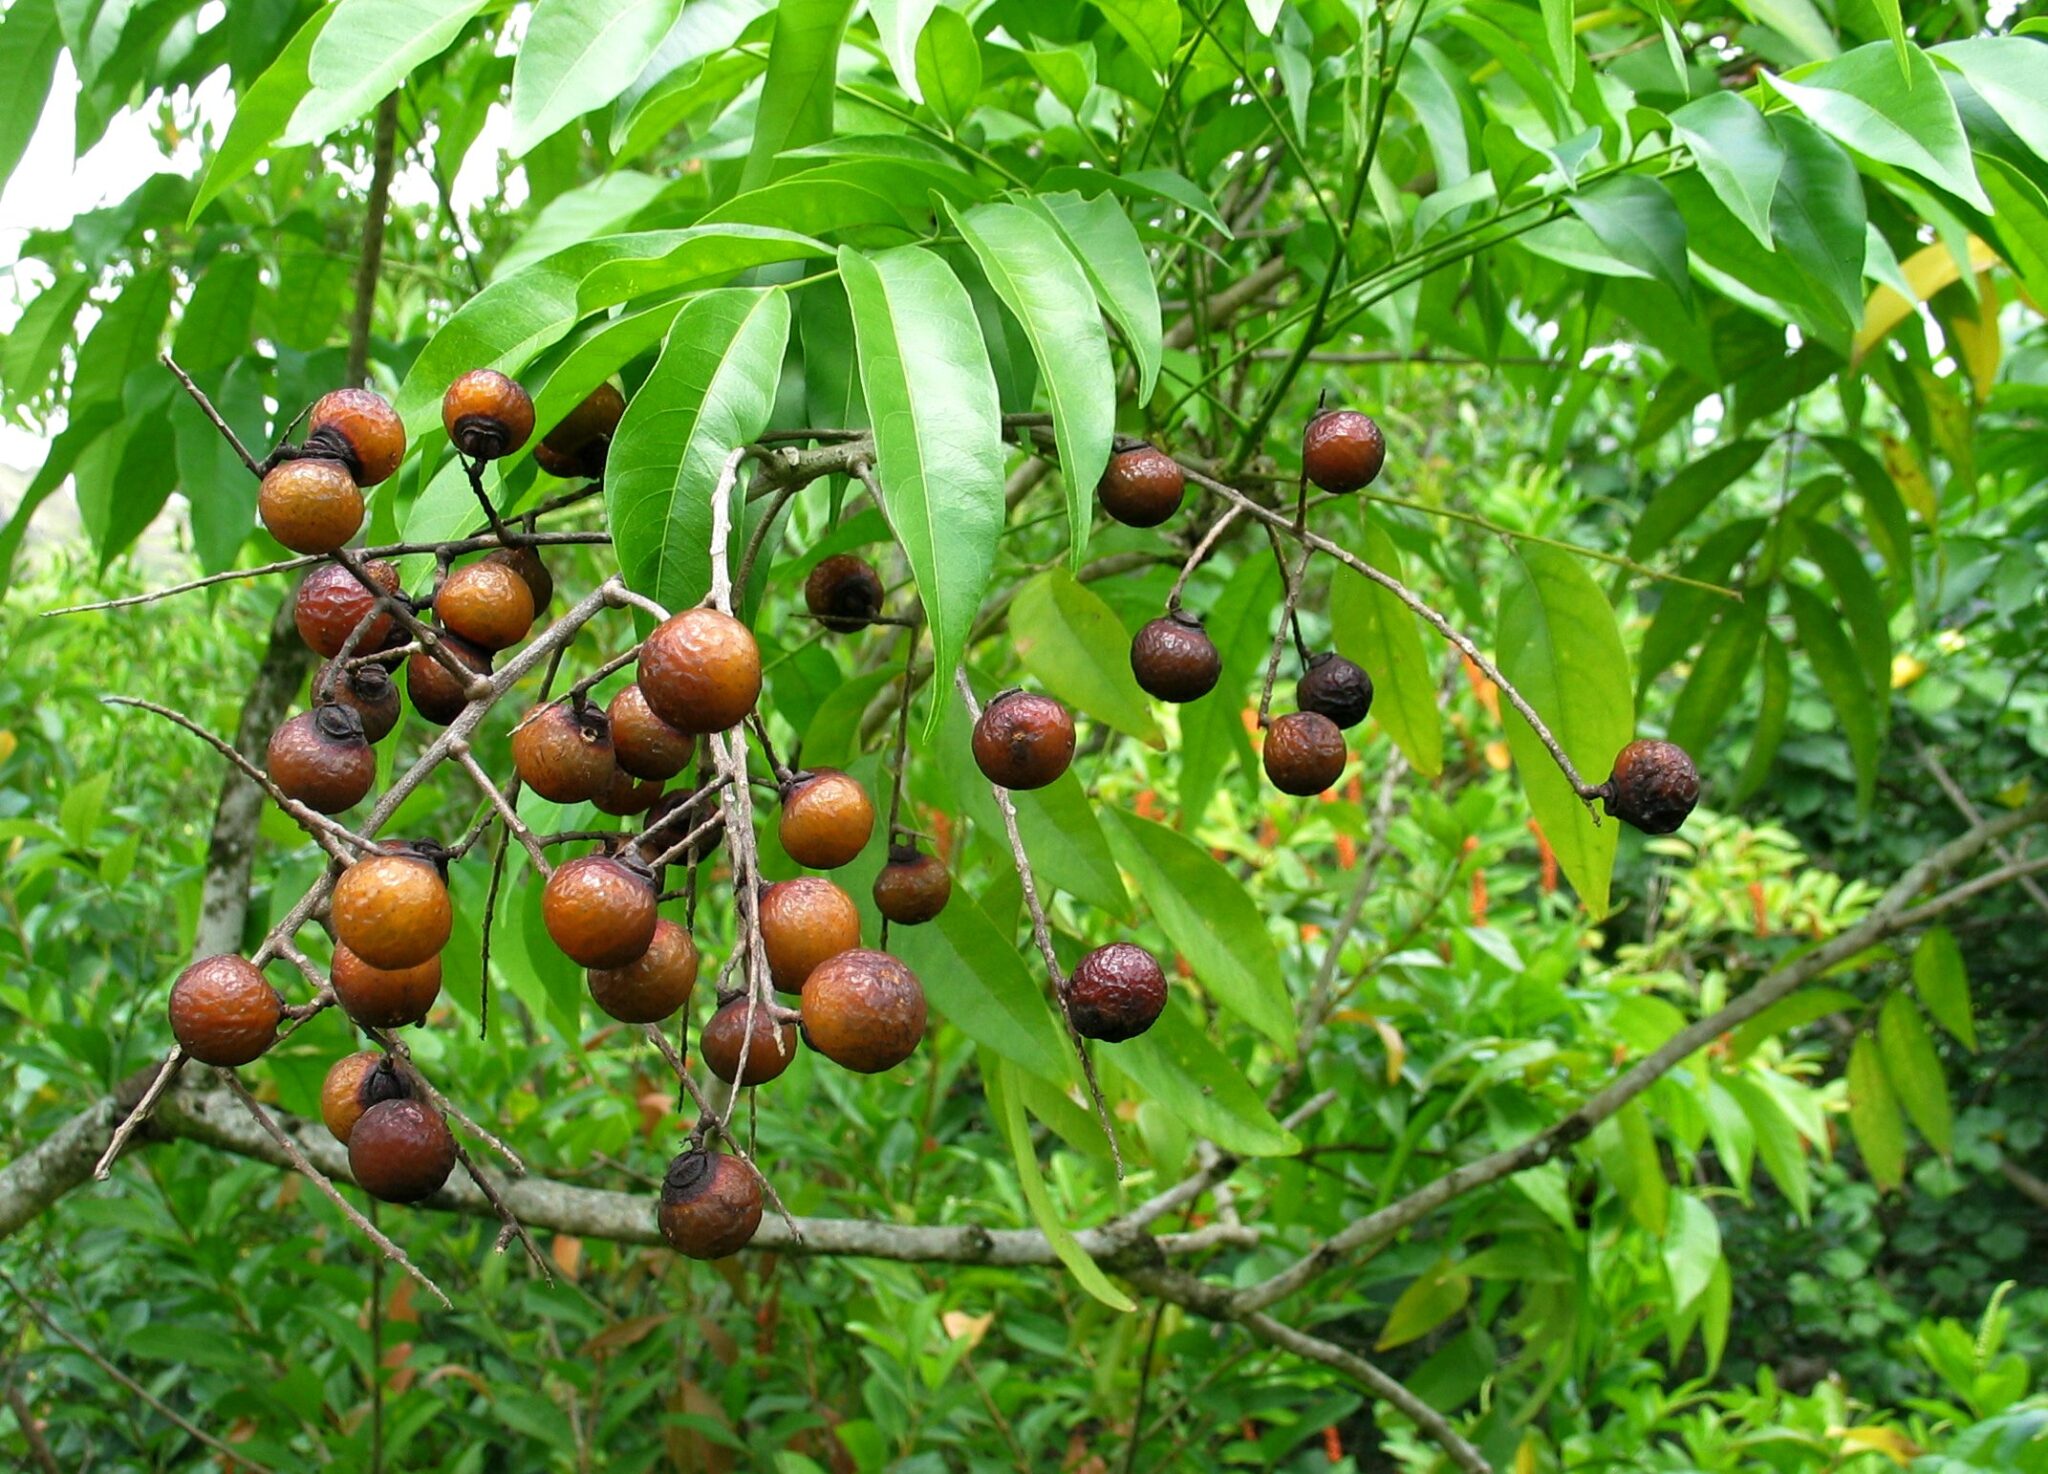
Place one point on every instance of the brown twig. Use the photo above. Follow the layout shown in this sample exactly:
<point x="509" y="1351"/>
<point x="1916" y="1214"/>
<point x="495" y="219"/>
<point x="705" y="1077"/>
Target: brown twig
<point x="139" y="1113"/>
<point x="206" y="408"/>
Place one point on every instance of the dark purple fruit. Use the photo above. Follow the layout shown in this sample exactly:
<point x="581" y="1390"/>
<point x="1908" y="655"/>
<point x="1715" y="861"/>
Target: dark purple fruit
<point x="1304" y="753"/>
<point x="1343" y="450"/>
<point x="1335" y="688"/>
<point x="1174" y="659"/>
<point x="1654" y="786"/>
<point x="1115" y="993"/>
<point x="1141" y="487"/>
<point x="844" y="592"/>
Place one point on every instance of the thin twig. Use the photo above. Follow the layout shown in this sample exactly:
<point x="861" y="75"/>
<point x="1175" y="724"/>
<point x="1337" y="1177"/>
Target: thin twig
<point x="507" y="815"/>
<point x="166" y="1072"/>
<point x="206" y="408"/>
<point x="1202" y="548"/>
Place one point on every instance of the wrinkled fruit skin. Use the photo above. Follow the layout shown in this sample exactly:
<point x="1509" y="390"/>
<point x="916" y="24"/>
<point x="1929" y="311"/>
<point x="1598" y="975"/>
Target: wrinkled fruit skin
<point x="1116" y="993"/>
<point x="844" y="592"/>
<point x="486" y="414"/>
<point x="1141" y="487"/>
<point x="527" y="564"/>
<point x="625" y="795"/>
<point x="1654" y="786"/>
<point x="805" y="922"/>
<point x="579" y="445"/>
<point x="599" y="912"/>
<point x="310" y="505"/>
<point x="384" y="998"/>
<point x="366" y="690"/>
<point x="653" y="985"/>
<point x="392" y="911"/>
<point x="1174" y="659"/>
<point x="826" y="819"/>
<point x="400" y="1151"/>
<point x="912" y="888"/>
<point x="436" y="695"/>
<point x="1343" y="450"/>
<point x="331" y="602"/>
<point x="710" y="1205"/>
<point x="720" y="1041"/>
<point x="323" y="759"/>
<point x="1304" y="753"/>
<point x="487" y="604"/>
<point x="644" y="744"/>
<point x="863" y="1011"/>
<point x="701" y="671"/>
<point x="1336" y="688"/>
<point x="563" y="754"/>
<point x="354" y="1083"/>
<point x="1023" y="740"/>
<point x="365" y="426"/>
<point x="224" y="1011"/>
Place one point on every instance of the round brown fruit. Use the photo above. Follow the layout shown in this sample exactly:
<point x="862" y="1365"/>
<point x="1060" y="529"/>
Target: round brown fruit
<point x="436" y="694"/>
<point x="1174" y="659"/>
<point x="564" y="752"/>
<point x="392" y="910"/>
<point x="864" y="1011"/>
<point x="769" y="1048"/>
<point x="579" y="444"/>
<point x="599" y="911"/>
<point x="323" y="759"/>
<point x="826" y="819"/>
<point x="645" y="745"/>
<point x="1115" y="993"/>
<point x="913" y="887"/>
<point x="486" y="603"/>
<point x="844" y="592"/>
<point x="310" y="505"/>
<point x="224" y="1011"/>
<point x="332" y="601"/>
<point x="1023" y="740"/>
<point x="354" y="1083"/>
<point x="804" y="922"/>
<point x="1304" y="753"/>
<point x="701" y="671"/>
<point x="362" y="425"/>
<point x="624" y="796"/>
<point x="366" y="690"/>
<point x="527" y="564"/>
<point x="384" y="998"/>
<point x="1654" y="786"/>
<point x="710" y="1205"/>
<point x="1343" y="450"/>
<point x="653" y="985"/>
<point x="1142" y="487"/>
<point x="1336" y="688"/>
<point x="486" y="414"/>
<point x="400" y="1151"/>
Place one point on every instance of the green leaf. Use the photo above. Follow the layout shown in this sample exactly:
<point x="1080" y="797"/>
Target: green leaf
<point x="1079" y="651"/>
<point x="1007" y="1107"/>
<point x="1174" y="1063"/>
<point x="1738" y="155"/>
<point x="712" y="391"/>
<point x="796" y="97"/>
<point x="2006" y="72"/>
<point x="1210" y="919"/>
<point x="1779" y="1145"/>
<point x="213" y="330"/>
<point x="1910" y="121"/>
<point x="1692" y="1249"/>
<point x="1798" y="21"/>
<point x="605" y="206"/>
<point x="938" y="433"/>
<point x="356" y="62"/>
<point x="33" y="353"/>
<point x="1212" y="730"/>
<point x="1773" y="709"/>
<point x="1557" y="31"/>
<point x="1862" y="605"/>
<point x="983" y="984"/>
<point x="1818" y="214"/>
<point x="1106" y="244"/>
<point x="947" y="66"/>
<point x="1874" y="1115"/>
<point x="1626" y="1149"/>
<point x="1943" y="984"/>
<point x="577" y="56"/>
<point x="1716" y="1303"/>
<point x="1141" y="184"/>
<point x="1635" y="218"/>
<point x="30" y="39"/>
<point x="900" y="23"/>
<point x="1432" y="1298"/>
<point x="1679" y="501"/>
<point x="1038" y="279"/>
<point x="1793" y="1012"/>
<point x="1150" y="27"/>
<point x="1372" y="627"/>
<point x="1912" y="1067"/>
<point x="1559" y="644"/>
<point x="218" y="487"/>
<point x="1841" y="679"/>
<point x="592" y="355"/>
<point x="1717" y="678"/>
<point x="261" y="112"/>
<point x="79" y="814"/>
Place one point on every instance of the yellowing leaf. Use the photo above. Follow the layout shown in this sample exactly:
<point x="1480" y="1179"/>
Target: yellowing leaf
<point x="1976" y="338"/>
<point x="1906" y="669"/>
<point x="8" y="742"/>
<point x="1927" y="271"/>
<point x="1435" y="1296"/>
<point x="1905" y="470"/>
<point x="960" y="1326"/>
<point x="1869" y="1438"/>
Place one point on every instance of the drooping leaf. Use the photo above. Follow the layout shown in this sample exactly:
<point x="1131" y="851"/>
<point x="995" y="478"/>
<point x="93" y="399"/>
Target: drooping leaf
<point x="1773" y="710"/>
<point x="948" y="65"/>
<point x="1738" y="155"/>
<point x="1626" y="1149"/>
<point x="1858" y="596"/>
<point x="1432" y="1298"/>
<point x="602" y="207"/>
<point x="1151" y="27"/>
<point x="1874" y="1115"/>
<point x="1791" y="1012"/>
<point x="261" y="113"/>
<point x="365" y="53"/>
<point x="1692" y="1248"/>
<point x="1680" y="500"/>
<point x="1818" y="214"/>
<point x="1861" y="100"/>
<point x="577" y="56"/>
<point x="796" y="98"/>
<point x="900" y="23"/>
<point x="30" y="39"/>
<point x="1840" y="673"/>
<point x="1557" y="31"/>
<point x="1107" y="246"/>
<point x="1634" y="217"/>
<point x="984" y="985"/>
<point x="1778" y="1143"/>
<point x="1912" y="1067"/>
<point x="1077" y="648"/>
<point x="1943" y="984"/>
<point x="1212" y="729"/>
<point x="1717" y="678"/>
<point x="2006" y="72"/>
<point x="1372" y="627"/>
<point x="1174" y="1063"/>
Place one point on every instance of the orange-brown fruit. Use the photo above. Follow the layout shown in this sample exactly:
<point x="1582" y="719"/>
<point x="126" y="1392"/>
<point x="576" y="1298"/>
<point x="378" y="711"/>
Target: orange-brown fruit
<point x="863" y="1010"/>
<point x="1141" y="487"/>
<point x="366" y="690"/>
<point x="526" y="562"/>
<point x="564" y="752"/>
<point x="1304" y="753"/>
<point x="400" y="1151"/>
<point x="645" y="745"/>
<point x="804" y="922"/>
<point x="1023" y="740"/>
<point x="844" y="592"/>
<point x="1115" y="993"/>
<point x="1338" y="688"/>
<point x="486" y="414"/>
<point x="701" y="671"/>
<point x="769" y="1048"/>
<point x="579" y="444"/>
<point x="332" y="601"/>
<point x="1654" y="786"/>
<point x="323" y="759"/>
<point x="826" y="819"/>
<point x="599" y="911"/>
<point x="224" y="1011"/>
<point x="354" y="1083"/>
<point x="1343" y="450"/>
<point x="392" y="910"/>
<point x="1174" y="659"/>
<point x="362" y="425"/>
<point x="486" y="603"/>
<point x="653" y="985"/>
<point x="310" y="505"/>
<point x="436" y="694"/>
<point x="710" y="1205"/>
<point x="384" y="998"/>
<point x="624" y="796"/>
<point x="913" y="887"/>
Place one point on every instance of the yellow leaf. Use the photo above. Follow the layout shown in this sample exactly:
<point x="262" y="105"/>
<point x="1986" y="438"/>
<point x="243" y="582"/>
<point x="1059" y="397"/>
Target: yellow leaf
<point x="1397" y="1047"/>
<point x="1870" y="1438"/>
<point x="1497" y="757"/>
<point x="1926" y="271"/>
<point x="1904" y="468"/>
<point x="1976" y="340"/>
<point x="8" y="742"/>
<point x="1906" y="669"/>
<point x="1526" y="1455"/>
<point x="960" y="1326"/>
